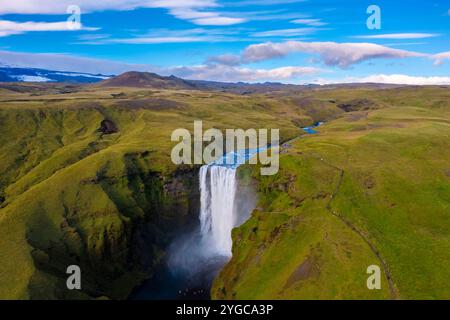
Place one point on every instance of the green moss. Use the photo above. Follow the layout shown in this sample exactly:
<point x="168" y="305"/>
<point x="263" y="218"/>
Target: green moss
<point x="72" y="195"/>
<point x="371" y="188"/>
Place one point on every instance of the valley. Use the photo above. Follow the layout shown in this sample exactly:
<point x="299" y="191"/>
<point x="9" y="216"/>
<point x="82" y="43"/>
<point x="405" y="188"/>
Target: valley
<point x="87" y="179"/>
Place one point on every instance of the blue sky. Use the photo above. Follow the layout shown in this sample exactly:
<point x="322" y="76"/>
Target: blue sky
<point x="289" y="41"/>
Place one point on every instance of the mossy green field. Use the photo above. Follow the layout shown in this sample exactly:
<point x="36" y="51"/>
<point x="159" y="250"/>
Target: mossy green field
<point x="373" y="187"/>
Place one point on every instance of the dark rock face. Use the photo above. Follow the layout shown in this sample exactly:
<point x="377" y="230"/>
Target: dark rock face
<point x="147" y="80"/>
<point x="118" y="95"/>
<point x="152" y="209"/>
<point x="108" y="127"/>
<point x="357" y="105"/>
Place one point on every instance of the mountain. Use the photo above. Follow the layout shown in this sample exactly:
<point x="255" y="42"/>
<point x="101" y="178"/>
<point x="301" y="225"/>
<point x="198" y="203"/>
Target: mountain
<point x="15" y="74"/>
<point x="147" y="80"/>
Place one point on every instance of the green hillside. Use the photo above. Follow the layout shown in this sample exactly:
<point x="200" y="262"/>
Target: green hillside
<point x="110" y="203"/>
<point x="372" y="188"/>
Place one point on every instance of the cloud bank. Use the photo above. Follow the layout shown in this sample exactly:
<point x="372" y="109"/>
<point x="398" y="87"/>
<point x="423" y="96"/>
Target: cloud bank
<point x="391" y="79"/>
<point x="440" y="57"/>
<point x="208" y="71"/>
<point x="226" y="73"/>
<point x="341" y="55"/>
<point x="332" y="53"/>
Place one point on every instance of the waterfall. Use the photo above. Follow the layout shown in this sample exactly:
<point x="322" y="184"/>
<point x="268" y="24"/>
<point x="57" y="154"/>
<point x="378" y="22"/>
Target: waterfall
<point x="217" y="207"/>
<point x="222" y="207"/>
<point x="196" y="257"/>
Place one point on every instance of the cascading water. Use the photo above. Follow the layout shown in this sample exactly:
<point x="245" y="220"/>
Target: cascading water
<point x="217" y="207"/>
<point x="219" y="212"/>
<point x="195" y="258"/>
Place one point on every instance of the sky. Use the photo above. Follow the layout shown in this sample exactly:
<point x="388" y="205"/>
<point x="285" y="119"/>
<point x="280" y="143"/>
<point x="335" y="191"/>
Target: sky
<point x="289" y="41"/>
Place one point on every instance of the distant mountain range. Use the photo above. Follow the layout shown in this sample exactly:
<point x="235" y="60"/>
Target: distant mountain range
<point x="134" y="79"/>
<point x="152" y="80"/>
<point x="15" y="74"/>
<point x="155" y="81"/>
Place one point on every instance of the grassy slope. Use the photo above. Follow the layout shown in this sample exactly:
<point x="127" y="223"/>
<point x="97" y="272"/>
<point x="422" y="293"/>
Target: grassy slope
<point x="371" y="183"/>
<point x="71" y="193"/>
<point x="67" y="189"/>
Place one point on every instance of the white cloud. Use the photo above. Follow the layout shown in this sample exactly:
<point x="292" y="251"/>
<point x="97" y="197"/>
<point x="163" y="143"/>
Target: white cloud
<point x="399" y="36"/>
<point x="204" y="17"/>
<point x="32" y="78"/>
<point x="218" y="72"/>
<point x="440" y="57"/>
<point x="217" y="21"/>
<point x="390" y="79"/>
<point x="332" y="53"/>
<point x="171" y="36"/>
<point x="310" y="22"/>
<point x="197" y="11"/>
<point x="285" y="32"/>
<point x="8" y="28"/>
<point x="267" y="15"/>
<point x="226" y="59"/>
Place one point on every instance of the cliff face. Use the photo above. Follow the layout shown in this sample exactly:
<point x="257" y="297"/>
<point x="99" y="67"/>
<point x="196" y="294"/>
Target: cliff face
<point x="86" y="179"/>
<point x="116" y="248"/>
<point x="294" y="246"/>
<point x="367" y="190"/>
<point x="73" y="195"/>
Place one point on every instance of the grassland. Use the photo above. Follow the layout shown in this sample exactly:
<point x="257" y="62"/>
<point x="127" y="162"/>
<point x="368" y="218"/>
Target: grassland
<point x="371" y="188"/>
<point x="74" y="195"/>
